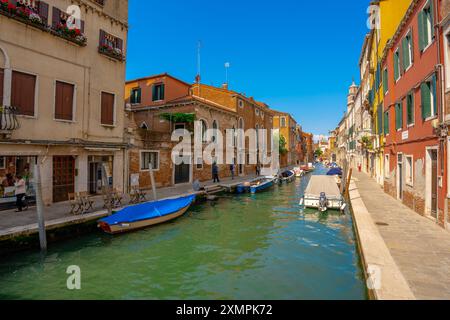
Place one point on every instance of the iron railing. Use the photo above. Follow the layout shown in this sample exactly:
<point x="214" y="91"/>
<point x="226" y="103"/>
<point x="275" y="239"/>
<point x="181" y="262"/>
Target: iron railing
<point x="8" y="118"/>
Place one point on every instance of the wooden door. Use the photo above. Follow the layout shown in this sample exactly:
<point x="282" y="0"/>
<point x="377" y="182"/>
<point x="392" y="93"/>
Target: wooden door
<point x="63" y="177"/>
<point x="182" y="173"/>
<point x="434" y="182"/>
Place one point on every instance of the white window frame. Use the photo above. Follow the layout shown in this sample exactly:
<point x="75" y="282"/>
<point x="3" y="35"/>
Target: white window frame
<point x="135" y="103"/>
<point x="409" y="170"/>
<point x="241" y="104"/>
<point x="74" y="101"/>
<point x="433" y="107"/>
<point x="204" y="134"/>
<point x="397" y="53"/>
<point x="410" y="48"/>
<point x="257" y="111"/>
<point x="430" y="27"/>
<point x="140" y="160"/>
<point x="413" y="109"/>
<point x="283" y="119"/>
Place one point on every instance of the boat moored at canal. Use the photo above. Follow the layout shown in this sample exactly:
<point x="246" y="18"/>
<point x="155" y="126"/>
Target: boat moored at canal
<point x="146" y="214"/>
<point x="323" y="194"/>
<point x="287" y="176"/>
<point x="262" y="185"/>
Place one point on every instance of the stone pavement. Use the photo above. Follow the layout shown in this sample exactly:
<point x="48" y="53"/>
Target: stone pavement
<point x="419" y="247"/>
<point x="11" y="221"/>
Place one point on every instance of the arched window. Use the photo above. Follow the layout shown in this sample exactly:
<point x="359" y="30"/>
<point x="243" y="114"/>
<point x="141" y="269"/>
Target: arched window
<point x="241" y="123"/>
<point x="144" y="125"/>
<point x="204" y="131"/>
<point x="215" y="129"/>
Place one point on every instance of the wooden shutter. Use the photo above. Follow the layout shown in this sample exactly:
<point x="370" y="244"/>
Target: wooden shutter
<point x="107" y="112"/>
<point x="385" y="80"/>
<point x="162" y="92"/>
<point x="43" y="11"/>
<point x="64" y="96"/>
<point x="409" y="109"/>
<point x="119" y="43"/>
<point x="56" y="17"/>
<point x="426" y="100"/>
<point x="396" y="65"/>
<point x="433" y="83"/>
<point x="380" y="119"/>
<point x="431" y="18"/>
<point x="82" y="26"/>
<point x="139" y="92"/>
<point x="23" y="88"/>
<point x="102" y="37"/>
<point x="421" y="26"/>
<point x="154" y="98"/>
<point x="386" y="123"/>
<point x="1" y="86"/>
<point x="399" y="116"/>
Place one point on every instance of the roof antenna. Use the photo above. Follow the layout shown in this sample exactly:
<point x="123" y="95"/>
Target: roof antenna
<point x="227" y="66"/>
<point x="199" y="48"/>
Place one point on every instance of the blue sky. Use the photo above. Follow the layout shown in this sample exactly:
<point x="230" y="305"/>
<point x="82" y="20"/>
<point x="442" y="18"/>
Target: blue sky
<point x="297" y="56"/>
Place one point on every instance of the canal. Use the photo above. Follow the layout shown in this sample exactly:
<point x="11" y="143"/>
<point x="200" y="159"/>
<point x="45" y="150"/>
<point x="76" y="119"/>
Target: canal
<point x="242" y="247"/>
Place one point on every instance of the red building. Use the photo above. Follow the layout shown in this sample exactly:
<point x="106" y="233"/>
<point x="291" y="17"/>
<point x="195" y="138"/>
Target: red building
<point x="413" y="104"/>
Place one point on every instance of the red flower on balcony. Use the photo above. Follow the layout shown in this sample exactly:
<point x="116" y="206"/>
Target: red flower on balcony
<point x="11" y="6"/>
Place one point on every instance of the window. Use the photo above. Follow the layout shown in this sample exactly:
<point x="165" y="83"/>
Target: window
<point x="1" y="85"/>
<point x="215" y="129"/>
<point x="61" y="19"/>
<point x="199" y="164"/>
<point x="23" y="88"/>
<point x="149" y="157"/>
<point x="378" y="76"/>
<point x="135" y="97"/>
<point x="385" y="81"/>
<point x="110" y="45"/>
<point x="241" y="104"/>
<point x="144" y="125"/>
<point x="397" y="65"/>
<point x="410" y="109"/>
<point x="398" y="116"/>
<point x="2" y="162"/>
<point x="386" y="123"/>
<point x="158" y="92"/>
<point x="426" y="25"/>
<point x="204" y="131"/>
<point x="386" y="166"/>
<point x="409" y="174"/>
<point x="283" y="122"/>
<point x="428" y="98"/>
<point x="64" y="98"/>
<point x="380" y="119"/>
<point x="257" y="111"/>
<point x="107" y="112"/>
<point x="407" y="51"/>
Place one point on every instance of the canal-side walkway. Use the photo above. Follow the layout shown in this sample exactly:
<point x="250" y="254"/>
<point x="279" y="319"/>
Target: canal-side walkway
<point x="419" y="247"/>
<point x="14" y="224"/>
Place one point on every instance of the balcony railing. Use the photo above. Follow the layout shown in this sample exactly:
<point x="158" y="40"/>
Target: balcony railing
<point x="8" y="119"/>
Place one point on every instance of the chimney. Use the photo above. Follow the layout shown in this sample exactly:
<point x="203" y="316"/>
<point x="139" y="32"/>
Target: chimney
<point x="225" y="86"/>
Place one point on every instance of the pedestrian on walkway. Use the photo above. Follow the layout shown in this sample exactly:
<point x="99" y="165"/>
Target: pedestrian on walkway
<point x="258" y="170"/>
<point x="232" y="171"/>
<point x="215" y="173"/>
<point x="20" y="191"/>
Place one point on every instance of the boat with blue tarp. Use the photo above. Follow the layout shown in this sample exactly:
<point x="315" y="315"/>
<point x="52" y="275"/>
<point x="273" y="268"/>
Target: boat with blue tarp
<point x="146" y="214"/>
<point x="262" y="185"/>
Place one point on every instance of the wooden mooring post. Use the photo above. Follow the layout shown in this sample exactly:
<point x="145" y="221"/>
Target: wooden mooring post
<point x="40" y="208"/>
<point x="347" y="184"/>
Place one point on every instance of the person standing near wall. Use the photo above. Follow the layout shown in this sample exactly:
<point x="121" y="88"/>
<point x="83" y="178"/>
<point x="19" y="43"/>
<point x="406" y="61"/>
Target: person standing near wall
<point x="215" y="173"/>
<point x="20" y="192"/>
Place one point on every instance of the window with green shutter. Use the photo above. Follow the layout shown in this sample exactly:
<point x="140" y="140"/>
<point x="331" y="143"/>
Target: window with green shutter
<point x="426" y="25"/>
<point x="380" y="119"/>
<point x="135" y="96"/>
<point x="386" y="123"/>
<point x="410" y="109"/>
<point x="407" y="51"/>
<point x="385" y="81"/>
<point x="158" y="92"/>
<point x="398" y="116"/>
<point x="397" y="65"/>
<point x="425" y="95"/>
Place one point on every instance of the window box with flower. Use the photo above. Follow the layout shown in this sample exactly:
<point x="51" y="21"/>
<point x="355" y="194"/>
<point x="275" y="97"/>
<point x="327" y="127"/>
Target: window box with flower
<point x="74" y="35"/>
<point x="26" y="14"/>
<point x="111" y="46"/>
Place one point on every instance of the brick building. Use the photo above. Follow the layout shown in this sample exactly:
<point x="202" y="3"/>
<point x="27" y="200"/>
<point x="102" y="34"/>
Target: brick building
<point x="413" y="155"/>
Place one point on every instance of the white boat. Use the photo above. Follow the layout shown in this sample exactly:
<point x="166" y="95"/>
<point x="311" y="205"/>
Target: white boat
<point x="323" y="193"/>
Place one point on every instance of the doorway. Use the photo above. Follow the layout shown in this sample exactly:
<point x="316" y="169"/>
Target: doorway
<point x="63" y="177"/>
<point x="95" y="174"/>
<point x="182" y="173"/>
<point x="434" y="182"/>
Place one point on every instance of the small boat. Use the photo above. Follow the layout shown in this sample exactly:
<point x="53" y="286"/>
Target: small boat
<point x="323" y="193"/>
<point x="262" y="184"/>
<point x="145" y="215"/>
<point x="287" y="176"/>
<point x="245" y="187"/>
<point x="335" y="172"/>
<point x="298" y="172"/>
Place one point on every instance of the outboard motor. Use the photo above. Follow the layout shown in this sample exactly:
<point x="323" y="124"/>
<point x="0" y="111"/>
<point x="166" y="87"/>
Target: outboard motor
<point x="323" y="202"/>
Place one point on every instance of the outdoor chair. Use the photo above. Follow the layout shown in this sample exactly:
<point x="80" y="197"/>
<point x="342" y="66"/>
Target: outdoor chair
<point x="88" y="203"/>
<point x="117" y="198"/>
<point x="75" y="203"/>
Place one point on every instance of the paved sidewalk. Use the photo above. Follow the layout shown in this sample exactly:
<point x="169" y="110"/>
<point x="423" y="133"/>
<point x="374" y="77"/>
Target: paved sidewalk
<point x="420" y="248"/>
<point x="12" y="221"/>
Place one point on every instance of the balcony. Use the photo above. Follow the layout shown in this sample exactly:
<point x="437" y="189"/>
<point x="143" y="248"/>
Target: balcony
<point x="8" y="120"/>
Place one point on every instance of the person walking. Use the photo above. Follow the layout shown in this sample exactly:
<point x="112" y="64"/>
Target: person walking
<point x="215" y="173"/>
<point x="232" y="171"/>
<point x="20" y="191"/>
<point x="258" y="170"/>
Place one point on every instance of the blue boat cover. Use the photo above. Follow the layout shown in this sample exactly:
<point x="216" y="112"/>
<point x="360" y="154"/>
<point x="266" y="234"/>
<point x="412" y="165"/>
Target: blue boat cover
<point x="149" y="210"/>
<point x="335" y="172"/>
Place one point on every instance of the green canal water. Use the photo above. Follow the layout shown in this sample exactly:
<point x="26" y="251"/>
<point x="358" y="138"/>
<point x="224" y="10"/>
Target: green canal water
<point x="242" y="247"/>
